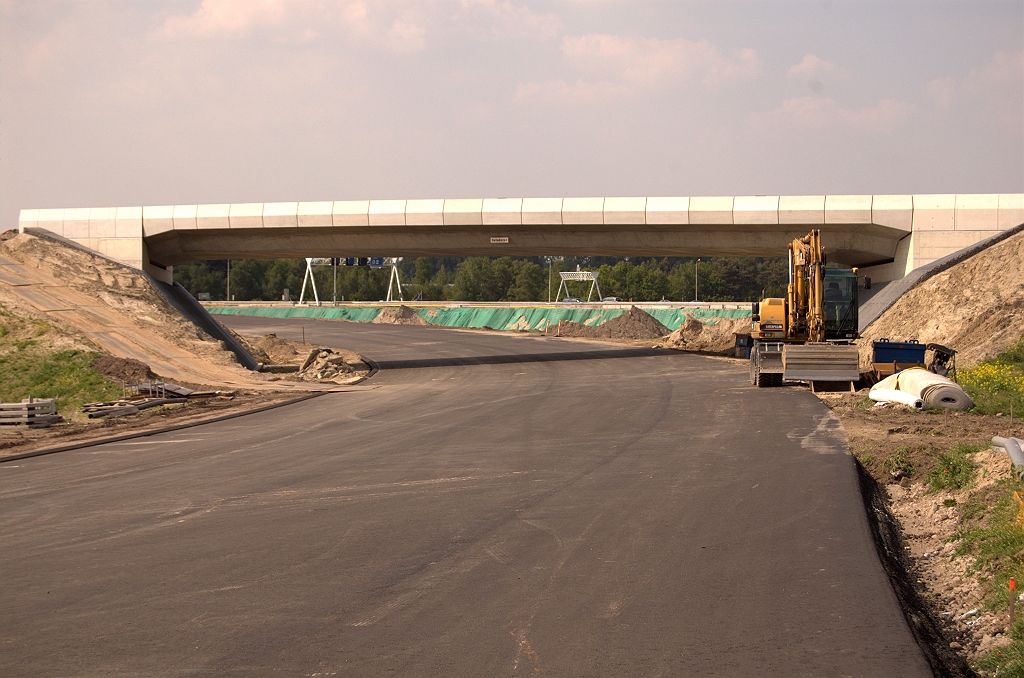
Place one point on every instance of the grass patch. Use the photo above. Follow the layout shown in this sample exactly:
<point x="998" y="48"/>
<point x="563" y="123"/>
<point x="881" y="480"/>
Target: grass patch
<point x="996" y="541"/>
<point x="29" y="368"/>
<point x="898" y="462"/>
<point x="954" y="470"/>
<point x="1006" y="662"/>
<point x="996" y="385"/>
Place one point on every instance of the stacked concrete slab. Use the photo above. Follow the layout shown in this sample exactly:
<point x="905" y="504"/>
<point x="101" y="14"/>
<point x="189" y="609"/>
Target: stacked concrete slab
<point x="888" y="235"/>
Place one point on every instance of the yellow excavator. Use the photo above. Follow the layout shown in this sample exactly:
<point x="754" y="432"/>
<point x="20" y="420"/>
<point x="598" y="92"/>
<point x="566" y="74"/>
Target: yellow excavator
<point x="808" y="335"/>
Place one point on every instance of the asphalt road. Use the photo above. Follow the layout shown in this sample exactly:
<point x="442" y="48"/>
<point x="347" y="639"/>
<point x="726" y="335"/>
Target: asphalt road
<point x="585" y="510"/>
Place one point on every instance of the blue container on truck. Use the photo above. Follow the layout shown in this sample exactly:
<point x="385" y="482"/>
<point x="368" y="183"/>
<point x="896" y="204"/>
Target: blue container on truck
<point x="903" y="352"/>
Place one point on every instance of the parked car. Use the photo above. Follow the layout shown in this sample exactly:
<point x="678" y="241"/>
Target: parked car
<point x="611" y="300"/>
<point x="571" y="300"/>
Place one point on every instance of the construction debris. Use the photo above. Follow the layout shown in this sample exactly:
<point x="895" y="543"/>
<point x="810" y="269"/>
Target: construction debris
<point x="143" y="395"/>
<point x="324" y="364"/>
<point x="29" y="413"/>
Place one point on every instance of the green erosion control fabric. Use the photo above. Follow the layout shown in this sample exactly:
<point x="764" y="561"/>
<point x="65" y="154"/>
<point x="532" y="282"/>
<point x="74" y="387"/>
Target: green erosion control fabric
<point x="362" y="315"/>
<point x="516" y="318"/>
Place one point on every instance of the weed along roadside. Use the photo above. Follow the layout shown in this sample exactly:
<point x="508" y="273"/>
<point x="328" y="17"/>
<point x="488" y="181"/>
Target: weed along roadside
<point x="957" y="502"/>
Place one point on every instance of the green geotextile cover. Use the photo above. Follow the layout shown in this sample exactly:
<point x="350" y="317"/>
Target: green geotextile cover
<point x="361" y="315"/>
<point x="516" y="318"/>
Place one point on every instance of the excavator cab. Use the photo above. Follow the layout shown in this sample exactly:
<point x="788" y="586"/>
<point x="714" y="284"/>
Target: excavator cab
<point x="839" y="304"/>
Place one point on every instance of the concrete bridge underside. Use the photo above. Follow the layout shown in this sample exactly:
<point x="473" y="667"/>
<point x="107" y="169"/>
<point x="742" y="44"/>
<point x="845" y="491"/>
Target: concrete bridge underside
<point x="886" y="235"/>
<point x="850" y="244"/>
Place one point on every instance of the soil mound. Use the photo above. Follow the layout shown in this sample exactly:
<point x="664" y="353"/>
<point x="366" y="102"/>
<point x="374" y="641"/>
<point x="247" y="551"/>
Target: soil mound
<point x="276" y="351"/>
<point x="633" y="324"/>
<point x="400" y="315"/>
<point x="975" y="307"/>
<point x="716" y="337"/>
<point x="127" y="370"/>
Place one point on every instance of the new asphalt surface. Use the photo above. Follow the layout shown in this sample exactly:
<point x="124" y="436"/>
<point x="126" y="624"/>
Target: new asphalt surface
<point x="501" y="505"/>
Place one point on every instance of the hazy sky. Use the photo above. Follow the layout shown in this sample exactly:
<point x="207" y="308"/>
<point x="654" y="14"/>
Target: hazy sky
<point x="145" y="102"/>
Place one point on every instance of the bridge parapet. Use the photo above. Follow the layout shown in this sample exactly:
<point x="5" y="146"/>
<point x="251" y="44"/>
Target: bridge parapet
<point x="887" y="235"/>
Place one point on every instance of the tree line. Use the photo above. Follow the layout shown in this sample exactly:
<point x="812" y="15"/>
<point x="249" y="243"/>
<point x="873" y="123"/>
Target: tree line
<point x="495" y="279"/>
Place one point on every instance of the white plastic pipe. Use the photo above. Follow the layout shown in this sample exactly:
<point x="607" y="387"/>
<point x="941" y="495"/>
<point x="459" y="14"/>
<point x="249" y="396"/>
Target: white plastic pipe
<point x="1013" y="449"/>
<point x="888" y="395"/>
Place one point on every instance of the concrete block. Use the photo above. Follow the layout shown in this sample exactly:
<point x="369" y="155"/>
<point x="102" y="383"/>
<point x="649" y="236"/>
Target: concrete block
<point x="185" y="216"/>
<point x="1011" y="210"/>
<point x="669" y="211"/>
<point x="353" y="213"/>
<point x="126" y="250"/>
<point x="280" y="215"/>
<point x="311" y="214"/>
<point x="28" y="219"/>
<point x="934" y="212"/>
<point x="128" y="222"/>
<point x="755" y="209"/>
<point x="213" y="216"/>
<point x="157" y="219"/>
<point x="387" y="212"/>
<point x="76" y="222"/>
<point x="246" y="215"/>
<point x="976" y="212"/>
<point x="52" y="220"/>
<point x="802" y="209"/>
<point x="903" y="263"/>
<point x="102" y="222"/>
<point x="940" y="243"/>
<point x="583" y="210"/>
<point x="848" y="209"/>
<point x="424" y="212"/>
<point x="463" y="212"/>
<point x="711" y="210"/>
<point x="625" y="211"/>
<point x="502" y="211"/>
<point x="893" y="211"/>
<point x="540" y="211"/>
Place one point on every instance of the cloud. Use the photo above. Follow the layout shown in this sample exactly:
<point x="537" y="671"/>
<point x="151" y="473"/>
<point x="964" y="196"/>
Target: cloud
<point x="812" y="67"/>
<point x="996" y="83"/>
<point x="501" y="18"/>
<point x="619" y="65"/>
<point x="824" y="112"/>
<point x="229" y="17"/>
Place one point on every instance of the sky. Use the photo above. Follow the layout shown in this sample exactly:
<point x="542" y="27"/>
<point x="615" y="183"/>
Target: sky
<point x="106" y="103"/>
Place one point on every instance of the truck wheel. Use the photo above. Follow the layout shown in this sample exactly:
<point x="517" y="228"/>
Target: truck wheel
<point x="765" y="380"/>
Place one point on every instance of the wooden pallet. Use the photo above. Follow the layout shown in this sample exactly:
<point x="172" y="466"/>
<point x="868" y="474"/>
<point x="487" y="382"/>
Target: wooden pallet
<point x="29" y="413"/>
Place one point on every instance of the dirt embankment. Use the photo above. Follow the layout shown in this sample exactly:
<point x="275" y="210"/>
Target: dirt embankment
<point x="928" y="520"/>
<point x="114" y="309"/>
<point x="975" y="307"/>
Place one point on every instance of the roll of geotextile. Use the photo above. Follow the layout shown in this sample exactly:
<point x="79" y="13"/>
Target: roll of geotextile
<point x="889" y="395"/>
<point x="934" y="389"/>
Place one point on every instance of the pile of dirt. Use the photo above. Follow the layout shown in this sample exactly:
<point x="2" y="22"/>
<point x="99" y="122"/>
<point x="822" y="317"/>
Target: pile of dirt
<point x="633" y="324"/>
<point x="975" y="307"/>
<point x="126" y="370"/>
<point x="714" y="337"/>
<point x="271" y="350"/>
<point x="399" y="315"/>
<point x="324" y="364"/>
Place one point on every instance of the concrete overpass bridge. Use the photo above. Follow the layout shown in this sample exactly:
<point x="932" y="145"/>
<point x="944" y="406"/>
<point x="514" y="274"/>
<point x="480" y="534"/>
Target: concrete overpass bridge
<point x="886" y="235"/>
